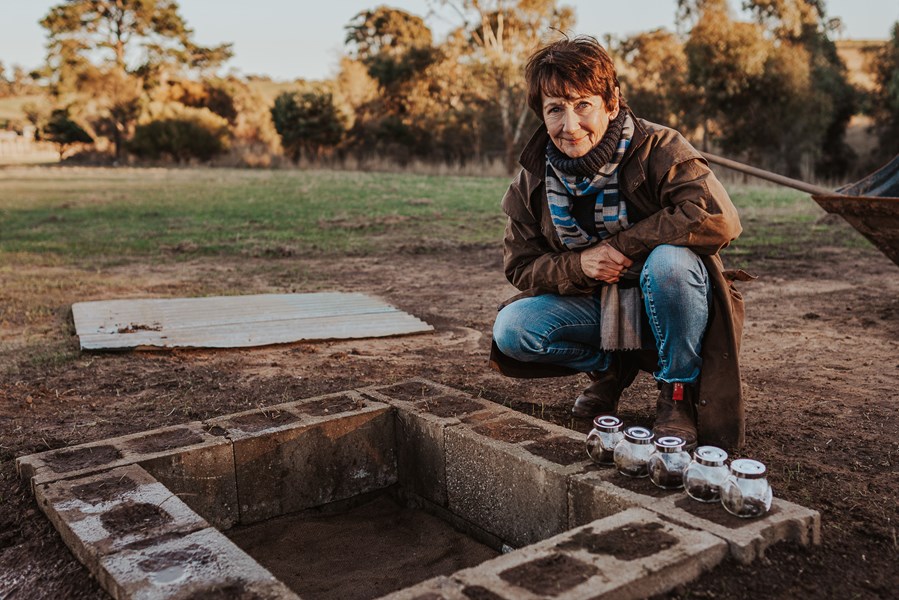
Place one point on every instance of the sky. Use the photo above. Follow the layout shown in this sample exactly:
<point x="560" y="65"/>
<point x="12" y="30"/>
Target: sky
<point x="290" y="39"/>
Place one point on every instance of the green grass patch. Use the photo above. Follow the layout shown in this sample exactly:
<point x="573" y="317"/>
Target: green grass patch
<point x="780" y="223"/>
<point x="109" y="215"/>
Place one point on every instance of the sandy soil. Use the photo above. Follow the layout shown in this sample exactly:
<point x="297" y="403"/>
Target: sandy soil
<point x="820" y="368"/>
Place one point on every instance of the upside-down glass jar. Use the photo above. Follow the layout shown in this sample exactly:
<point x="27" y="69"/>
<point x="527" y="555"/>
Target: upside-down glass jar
<point x="667" y="462"/>
<point x="746" y="492"/>
<point x="704" y="476"/>
<point x="632" y="453"/>
<point x="603" y="438"/>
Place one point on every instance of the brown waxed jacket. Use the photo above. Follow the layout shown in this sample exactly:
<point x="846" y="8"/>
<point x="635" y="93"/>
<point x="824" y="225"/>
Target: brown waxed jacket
<point x="675" y="199"/>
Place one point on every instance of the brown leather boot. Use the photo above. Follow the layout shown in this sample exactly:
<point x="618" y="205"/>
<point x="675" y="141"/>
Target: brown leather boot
<point x="602" y="395"/>
<point x="676" y="413"/>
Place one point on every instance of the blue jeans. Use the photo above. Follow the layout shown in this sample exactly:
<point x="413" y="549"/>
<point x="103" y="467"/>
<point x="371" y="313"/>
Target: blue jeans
<point x="564" y="330"/>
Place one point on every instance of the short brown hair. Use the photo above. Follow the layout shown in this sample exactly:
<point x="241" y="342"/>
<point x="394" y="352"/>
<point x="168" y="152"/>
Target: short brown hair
<point x="570" y="68"/>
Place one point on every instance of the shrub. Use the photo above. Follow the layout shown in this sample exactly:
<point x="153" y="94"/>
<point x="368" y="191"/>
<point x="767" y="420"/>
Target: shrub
<point x="181" y="138"/>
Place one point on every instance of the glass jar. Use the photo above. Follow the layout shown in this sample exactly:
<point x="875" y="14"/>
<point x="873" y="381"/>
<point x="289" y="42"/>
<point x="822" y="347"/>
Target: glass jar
<point x="603" y="438"/>
<point x="746" y="492"/>
<point x="667" y="462"/>
<point x="705" y="475"/>
<point x="632" y="453"/>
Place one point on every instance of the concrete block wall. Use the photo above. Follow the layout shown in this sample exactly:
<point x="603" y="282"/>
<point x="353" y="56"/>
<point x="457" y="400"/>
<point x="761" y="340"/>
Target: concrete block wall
<point x="520" y="481"/>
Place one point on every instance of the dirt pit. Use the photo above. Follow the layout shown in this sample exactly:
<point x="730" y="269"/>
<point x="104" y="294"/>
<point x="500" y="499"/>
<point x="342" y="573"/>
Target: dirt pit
<point x="363" y="552"/>
<point x="820" y="360"/>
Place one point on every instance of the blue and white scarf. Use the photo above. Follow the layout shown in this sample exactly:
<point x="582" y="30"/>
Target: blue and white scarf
<point x="610" y="209"/>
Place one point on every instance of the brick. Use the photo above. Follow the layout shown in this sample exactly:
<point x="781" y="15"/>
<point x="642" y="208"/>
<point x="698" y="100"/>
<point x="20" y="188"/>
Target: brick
<point x="633" y="554"/>
<point x="203" y="564"/>
<point x="507" y="487"/>
<point x="746" y="538"/>
<point x="104" y="513"/>
<point x="314" y="461"/>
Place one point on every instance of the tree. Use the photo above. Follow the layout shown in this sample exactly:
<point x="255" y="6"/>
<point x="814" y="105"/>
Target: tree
<point x="394" y="45"/>
<point x="120" y="40"/>
<point x="307" y="122"/>
<point x="773" y="89"/>
<point x="500" y="35"/>
<point x="655" y="79"/>
<point x="885" y="98"/>
<point x="63" y="131"/>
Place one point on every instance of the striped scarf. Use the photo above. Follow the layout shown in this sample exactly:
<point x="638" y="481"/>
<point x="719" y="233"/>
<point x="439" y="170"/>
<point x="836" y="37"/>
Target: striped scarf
<point x="610" y="210"/>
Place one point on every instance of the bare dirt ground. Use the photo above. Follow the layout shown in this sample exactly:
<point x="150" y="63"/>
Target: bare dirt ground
<point x="820" y="366"/>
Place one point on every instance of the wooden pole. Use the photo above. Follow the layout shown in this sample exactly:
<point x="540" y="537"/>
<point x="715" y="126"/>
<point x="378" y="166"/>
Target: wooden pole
<point x="802" y="186"/>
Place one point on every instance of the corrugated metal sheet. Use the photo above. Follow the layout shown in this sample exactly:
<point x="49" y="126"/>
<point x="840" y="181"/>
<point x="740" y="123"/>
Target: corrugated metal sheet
<point x="237" y="321"/>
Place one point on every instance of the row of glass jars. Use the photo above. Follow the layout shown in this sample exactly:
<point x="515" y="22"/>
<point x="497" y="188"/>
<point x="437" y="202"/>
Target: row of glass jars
<point x="742" y="489"/>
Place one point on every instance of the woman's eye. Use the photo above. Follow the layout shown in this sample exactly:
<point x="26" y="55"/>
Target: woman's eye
<point x="583" y="105"/>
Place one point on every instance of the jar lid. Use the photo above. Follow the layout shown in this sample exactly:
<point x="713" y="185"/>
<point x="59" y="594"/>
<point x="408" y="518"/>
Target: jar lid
<point x="607" y="423"/>
<point x="710" y="456"/>
<point x="746" y="468"/>
<point x="669" y="443"/>
<point x="638" y="435"/>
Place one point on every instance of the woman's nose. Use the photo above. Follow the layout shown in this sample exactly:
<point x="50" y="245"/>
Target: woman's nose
<point x="570" y="121"/>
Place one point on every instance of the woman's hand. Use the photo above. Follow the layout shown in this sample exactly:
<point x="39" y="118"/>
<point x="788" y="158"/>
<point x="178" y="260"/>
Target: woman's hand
<point x="605" y="263"/>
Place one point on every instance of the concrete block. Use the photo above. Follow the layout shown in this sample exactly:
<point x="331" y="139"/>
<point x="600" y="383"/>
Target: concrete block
<point x="746" y="538"/>
<point x="98" y="456"/>
<point x="633" y="554"/>
<point x="424" y="410"/>
<point x="314" y="461"/>
<point x="509" y="476"/>
<point x="107" y="512"/>
<point x="202" y="564"/>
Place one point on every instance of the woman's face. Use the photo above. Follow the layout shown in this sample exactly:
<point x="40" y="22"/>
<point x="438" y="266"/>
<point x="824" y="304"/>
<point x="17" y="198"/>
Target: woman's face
<point x="576" y="125"/>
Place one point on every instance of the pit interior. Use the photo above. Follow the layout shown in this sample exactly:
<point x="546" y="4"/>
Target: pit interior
<point x="355" y="495"/>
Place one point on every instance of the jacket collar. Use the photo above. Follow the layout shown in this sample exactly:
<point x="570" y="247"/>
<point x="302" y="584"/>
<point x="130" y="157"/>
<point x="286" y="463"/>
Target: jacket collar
<point x="533" y="157"/>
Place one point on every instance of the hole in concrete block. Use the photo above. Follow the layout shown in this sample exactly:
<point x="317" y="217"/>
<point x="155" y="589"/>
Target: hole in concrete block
<point x="161" y="561"/>
<point x="641" y="485"/>
<point x="511" y="430"/>
<point x="104" y="490"/>
<point x="132" y="517"/>
<point x="449" y="406"/>
<point x="550" y="575"/>
<point x="330" y="406"/>
<point x="66" y="461"/>
<point x="712" y="511"/>
<point x="411" y="391"/>
<point x="560" y="450"/>
<point x="254" y="422"/>
<point x="624" y="543"/>
<point x="165" y="440"/>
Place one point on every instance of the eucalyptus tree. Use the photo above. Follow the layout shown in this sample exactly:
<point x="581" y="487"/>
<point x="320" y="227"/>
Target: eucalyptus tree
<point x="110" y="52"/>
<point x="500" y="36"/>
